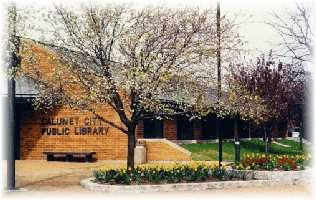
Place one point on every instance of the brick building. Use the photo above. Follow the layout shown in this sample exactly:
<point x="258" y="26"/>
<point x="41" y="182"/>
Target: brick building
<point x="66" y="129"/>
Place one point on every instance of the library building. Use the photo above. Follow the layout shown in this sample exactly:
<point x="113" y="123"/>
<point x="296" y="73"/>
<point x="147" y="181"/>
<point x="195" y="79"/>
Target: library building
<point x="67" y="133"/>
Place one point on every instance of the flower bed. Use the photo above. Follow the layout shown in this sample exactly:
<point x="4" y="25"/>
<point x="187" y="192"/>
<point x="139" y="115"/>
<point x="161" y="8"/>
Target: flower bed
<point x="263" y="178"/>
<point x="273" y="162"/>
<point x="193" y="172"/>
<point x="163" y="174"/>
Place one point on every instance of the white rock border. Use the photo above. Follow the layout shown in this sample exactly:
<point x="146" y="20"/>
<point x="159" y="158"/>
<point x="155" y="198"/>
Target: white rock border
<point x="272" y="178"/>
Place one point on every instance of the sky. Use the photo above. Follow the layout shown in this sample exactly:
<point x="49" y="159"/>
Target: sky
<point x="250" y="13"/>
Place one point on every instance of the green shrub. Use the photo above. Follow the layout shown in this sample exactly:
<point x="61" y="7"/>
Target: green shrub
<point x="158" y="175"/>
<point x="219" y="173"/>
<point x="286" y="167"/>
<point x="271" y="165"/>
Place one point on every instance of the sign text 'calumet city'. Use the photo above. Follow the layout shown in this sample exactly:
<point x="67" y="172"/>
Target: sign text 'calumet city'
<point x="75" y="125"/>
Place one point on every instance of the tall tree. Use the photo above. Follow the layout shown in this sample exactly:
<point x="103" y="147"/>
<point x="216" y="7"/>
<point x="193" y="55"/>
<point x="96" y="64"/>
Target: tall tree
<point x="132" y="60"/>
<point x="280" y="86"/>
<point x="296" y="31"/>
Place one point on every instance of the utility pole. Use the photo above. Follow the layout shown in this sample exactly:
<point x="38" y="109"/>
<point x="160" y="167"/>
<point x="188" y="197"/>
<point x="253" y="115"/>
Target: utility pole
<point x="14" y="44"/>
<point x="11" y="138"/>
<point x="218" y="55"/>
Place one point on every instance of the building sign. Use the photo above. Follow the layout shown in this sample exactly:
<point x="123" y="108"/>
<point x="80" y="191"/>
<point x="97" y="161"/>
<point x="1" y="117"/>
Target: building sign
<point x="73" y="125"/>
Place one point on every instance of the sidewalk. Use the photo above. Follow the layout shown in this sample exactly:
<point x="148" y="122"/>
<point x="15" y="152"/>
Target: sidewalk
<point x="41" y="175"/>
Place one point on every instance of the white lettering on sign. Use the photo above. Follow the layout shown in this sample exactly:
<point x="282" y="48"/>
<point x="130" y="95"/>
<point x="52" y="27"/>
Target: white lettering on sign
<point x="91" y="126"/>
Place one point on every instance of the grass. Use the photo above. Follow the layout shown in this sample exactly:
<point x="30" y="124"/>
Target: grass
<point x="209" y="151"/>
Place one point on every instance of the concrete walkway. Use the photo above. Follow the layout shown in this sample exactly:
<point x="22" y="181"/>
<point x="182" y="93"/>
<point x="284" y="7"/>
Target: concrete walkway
<point x="42" y="175"/>
<point x="284" y="145"/>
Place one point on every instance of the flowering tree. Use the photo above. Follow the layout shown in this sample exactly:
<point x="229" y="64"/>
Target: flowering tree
<point x="280" y="87"/>
<point x="131" y="60"/>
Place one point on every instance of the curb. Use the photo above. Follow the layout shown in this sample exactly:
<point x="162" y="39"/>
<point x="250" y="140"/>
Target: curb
<point x="286" y="178"/>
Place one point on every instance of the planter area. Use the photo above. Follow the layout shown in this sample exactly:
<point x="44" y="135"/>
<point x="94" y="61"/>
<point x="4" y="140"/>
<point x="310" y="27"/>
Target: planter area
<point x="262" y="178"/>
<point x="254" y="170"/>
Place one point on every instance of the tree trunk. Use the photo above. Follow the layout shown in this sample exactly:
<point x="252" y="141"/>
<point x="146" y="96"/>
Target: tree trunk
<point x="131" y="146"/>
<point x="265" y="139"/>
<point x="235" y="129"/>
<point x="249" y="130"/>
<point x="301" y="136"/>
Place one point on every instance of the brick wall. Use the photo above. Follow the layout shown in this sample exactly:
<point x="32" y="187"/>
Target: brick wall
<point x="72" y="130"/>
<point x="67" y="129"/>
<point x="170" y="129"/>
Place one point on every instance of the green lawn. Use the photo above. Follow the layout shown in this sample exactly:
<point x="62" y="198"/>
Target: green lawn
<point x="209" y="151"/>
